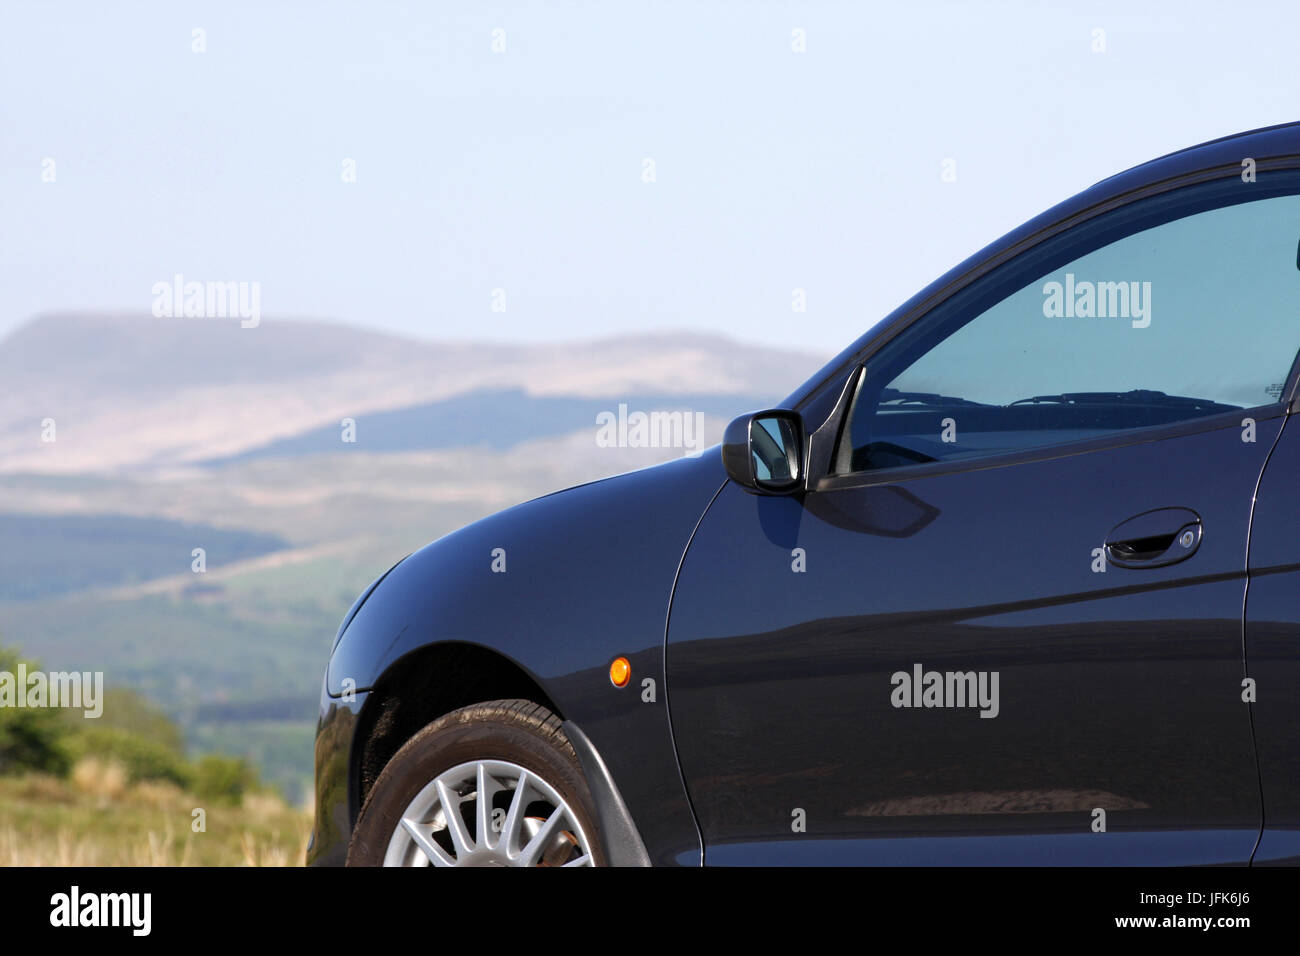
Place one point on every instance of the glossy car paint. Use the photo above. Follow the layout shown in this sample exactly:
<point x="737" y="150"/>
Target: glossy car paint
<point x="589" y="575"/>
<point x="1119" y="690"/>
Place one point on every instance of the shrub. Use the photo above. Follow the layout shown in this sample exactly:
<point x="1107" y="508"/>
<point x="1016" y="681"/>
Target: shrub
<point x="141" y="757"/>
<point x="218" y="777"/>
<point x="30" y="738"/>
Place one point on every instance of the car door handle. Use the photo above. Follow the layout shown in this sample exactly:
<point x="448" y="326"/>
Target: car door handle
<point x="1154" y="538"/>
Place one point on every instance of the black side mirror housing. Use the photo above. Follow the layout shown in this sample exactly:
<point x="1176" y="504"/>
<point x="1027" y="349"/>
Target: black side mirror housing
<point x="763" y="452"/>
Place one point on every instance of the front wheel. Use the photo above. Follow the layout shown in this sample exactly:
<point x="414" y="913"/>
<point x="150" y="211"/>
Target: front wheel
<point x="494" y="784"/>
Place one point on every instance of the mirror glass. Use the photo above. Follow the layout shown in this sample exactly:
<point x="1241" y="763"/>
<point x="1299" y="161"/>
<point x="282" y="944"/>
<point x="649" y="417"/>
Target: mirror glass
<point x="773" y="441"/>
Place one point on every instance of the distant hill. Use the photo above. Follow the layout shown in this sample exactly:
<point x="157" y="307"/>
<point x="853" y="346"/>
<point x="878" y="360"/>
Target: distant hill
<point x="127" y="391"/>
<point x="490" y="418"/>
<point x="43" y="555"/>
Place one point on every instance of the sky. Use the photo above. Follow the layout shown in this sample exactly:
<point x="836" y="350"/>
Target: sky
<point x="851" y="151"/>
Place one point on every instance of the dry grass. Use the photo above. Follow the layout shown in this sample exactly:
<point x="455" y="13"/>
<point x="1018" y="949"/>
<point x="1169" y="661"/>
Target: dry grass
<point x="104" y="780"/>
<point x="263" y="806"/>
<point x="96" y="819"/>
<point x="159" y="794"/>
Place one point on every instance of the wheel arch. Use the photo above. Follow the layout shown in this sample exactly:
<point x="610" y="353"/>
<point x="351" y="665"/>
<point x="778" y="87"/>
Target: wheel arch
<point x="422" y="686"/>
<point x="436" y="679"/>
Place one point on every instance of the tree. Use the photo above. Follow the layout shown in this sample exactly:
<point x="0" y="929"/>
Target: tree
<point x="31" y="738"/>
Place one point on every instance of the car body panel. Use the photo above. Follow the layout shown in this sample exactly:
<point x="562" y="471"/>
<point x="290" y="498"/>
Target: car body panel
<point x="588" y="577"/>
<point x="336" y="810"/>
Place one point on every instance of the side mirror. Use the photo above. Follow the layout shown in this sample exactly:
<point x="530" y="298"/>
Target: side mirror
<point x="763" y="452"/>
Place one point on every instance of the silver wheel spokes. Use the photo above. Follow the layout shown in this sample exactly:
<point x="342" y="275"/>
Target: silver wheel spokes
<point x="488" y="813"/>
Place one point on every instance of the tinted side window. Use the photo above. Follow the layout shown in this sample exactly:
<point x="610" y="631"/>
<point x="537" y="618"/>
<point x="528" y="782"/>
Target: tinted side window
<point x="1149" y="316"/>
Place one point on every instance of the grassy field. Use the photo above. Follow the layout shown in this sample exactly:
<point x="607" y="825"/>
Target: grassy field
<point x="96" y="819"/>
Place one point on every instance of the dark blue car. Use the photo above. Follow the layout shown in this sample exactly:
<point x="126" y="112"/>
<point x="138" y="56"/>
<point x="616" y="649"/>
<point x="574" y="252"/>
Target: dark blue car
<point x="1014" y="579"/>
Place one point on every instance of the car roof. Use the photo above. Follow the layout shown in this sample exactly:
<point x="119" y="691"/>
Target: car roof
<point x="1261" y="145"/>
<point x="1253" y="143"/>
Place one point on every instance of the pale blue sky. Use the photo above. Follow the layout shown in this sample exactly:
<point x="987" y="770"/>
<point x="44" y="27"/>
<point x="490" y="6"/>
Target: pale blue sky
<point x="522" y="170"/>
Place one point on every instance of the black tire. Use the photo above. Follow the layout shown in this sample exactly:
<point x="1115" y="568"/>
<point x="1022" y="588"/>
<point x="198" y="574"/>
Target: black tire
<point x="517" y="731"/>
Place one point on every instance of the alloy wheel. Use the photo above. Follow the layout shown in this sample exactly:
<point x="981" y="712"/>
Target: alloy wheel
<point x="488" y="813"/>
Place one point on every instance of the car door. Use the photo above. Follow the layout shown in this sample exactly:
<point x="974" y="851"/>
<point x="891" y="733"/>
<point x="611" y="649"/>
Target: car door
<point x="1003" y="621"/>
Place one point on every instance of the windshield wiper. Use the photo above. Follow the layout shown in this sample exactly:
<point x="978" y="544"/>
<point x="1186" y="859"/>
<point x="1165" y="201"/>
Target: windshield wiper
<point x="1137" y="396"/>
<point x="930" y="399"/>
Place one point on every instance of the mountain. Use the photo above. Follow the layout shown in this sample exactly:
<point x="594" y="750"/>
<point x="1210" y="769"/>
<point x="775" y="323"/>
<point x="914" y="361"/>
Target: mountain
<point x="127" y="391"/>
<point x="492" y="418"/>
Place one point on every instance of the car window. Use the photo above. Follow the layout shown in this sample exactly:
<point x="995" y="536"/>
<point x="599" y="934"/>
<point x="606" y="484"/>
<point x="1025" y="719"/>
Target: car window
<point x="1181" y="316"/>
